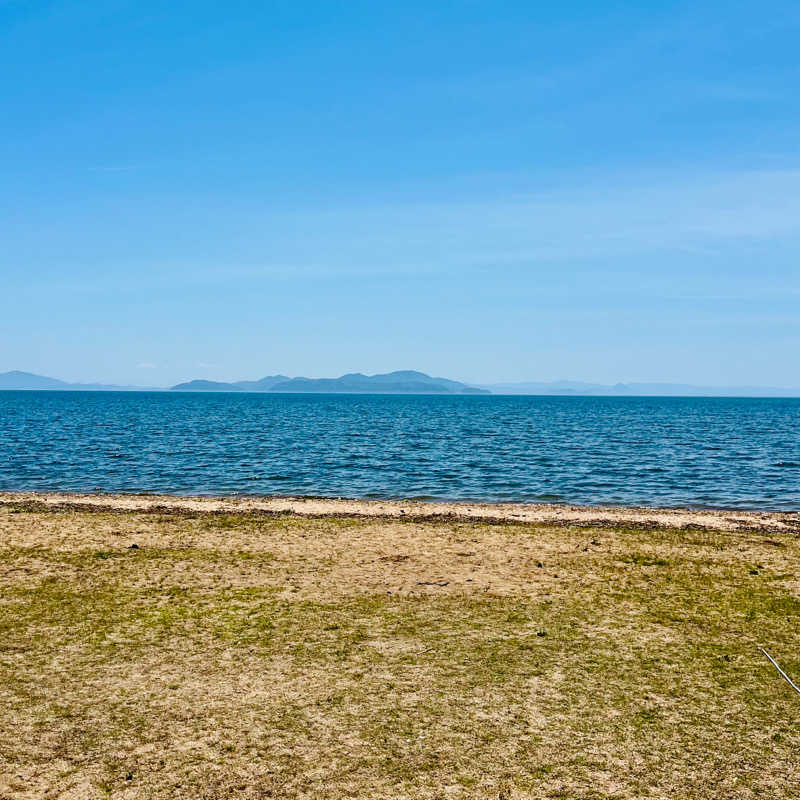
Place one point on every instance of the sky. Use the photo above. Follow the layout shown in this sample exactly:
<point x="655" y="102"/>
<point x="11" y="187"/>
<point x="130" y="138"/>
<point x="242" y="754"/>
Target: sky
<point x="488" y="191"/>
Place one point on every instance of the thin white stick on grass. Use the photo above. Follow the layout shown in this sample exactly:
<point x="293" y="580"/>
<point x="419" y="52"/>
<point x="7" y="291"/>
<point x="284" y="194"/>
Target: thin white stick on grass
<point x="783" y="674"/>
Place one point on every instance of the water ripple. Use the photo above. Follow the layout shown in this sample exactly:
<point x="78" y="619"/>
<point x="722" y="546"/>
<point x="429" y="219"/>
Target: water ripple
<point x="726" y="452"/>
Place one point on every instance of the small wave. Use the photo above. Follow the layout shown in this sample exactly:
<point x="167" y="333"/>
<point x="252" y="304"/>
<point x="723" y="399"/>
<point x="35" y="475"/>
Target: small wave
<point x="683" y="452"/>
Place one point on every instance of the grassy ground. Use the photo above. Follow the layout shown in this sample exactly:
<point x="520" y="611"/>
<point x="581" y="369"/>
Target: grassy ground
<point x="255" y="657"/>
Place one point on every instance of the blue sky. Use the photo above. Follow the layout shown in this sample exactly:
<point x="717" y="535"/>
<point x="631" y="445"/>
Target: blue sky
<point x="492" y="191"/>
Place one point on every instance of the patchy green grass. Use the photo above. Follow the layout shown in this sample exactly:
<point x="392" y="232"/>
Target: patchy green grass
<point x="253" y="657"/>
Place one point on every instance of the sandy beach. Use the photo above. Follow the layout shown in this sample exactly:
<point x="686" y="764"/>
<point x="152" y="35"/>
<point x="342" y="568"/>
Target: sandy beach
<point x="589" y="516"/>
<point x="162" y="647"/>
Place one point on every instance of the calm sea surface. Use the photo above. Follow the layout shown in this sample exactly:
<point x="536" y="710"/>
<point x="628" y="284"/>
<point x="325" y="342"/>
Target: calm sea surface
<point x="734" y="453"/>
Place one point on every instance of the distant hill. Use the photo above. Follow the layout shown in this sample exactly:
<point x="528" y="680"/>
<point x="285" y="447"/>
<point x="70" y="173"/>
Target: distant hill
<point x="27" y="380"/>
<point x="206" y="386"/>
<point x="263" y="385"/>
<point x="569" y="388"/>
<point x="400" y="382"/>
<point x="30" y="382"/>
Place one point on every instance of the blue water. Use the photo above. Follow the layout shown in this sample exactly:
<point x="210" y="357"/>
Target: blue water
<point x="707" y="452"/>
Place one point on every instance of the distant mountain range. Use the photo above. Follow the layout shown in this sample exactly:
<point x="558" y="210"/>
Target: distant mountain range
<point x="27" y="380"/>
<point x="568" y="388"/>
<point x="406" y="382"/>
<point x="401" y="382"/>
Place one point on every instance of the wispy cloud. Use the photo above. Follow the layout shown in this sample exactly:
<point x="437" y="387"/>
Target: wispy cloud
<point x="146" y="365"/>
<point x="590" y="218"/>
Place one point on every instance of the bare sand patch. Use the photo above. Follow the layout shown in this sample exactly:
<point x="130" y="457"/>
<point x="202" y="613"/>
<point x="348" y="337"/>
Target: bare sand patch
<point x="497" y="512"/>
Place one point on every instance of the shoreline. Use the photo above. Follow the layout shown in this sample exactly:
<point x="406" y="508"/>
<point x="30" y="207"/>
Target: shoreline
<point x="498" y="513"/>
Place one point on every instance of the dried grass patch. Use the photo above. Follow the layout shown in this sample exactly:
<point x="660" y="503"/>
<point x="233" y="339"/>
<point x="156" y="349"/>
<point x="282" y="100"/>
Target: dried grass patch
<point x="253" y="657"/>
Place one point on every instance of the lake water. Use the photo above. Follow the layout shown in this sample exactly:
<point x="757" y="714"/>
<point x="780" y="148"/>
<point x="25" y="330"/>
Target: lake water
<point x="702" y="452"/>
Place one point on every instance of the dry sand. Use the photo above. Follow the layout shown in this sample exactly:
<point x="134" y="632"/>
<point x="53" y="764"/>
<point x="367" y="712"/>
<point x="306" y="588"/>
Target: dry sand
<point x="590" y="516"/>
